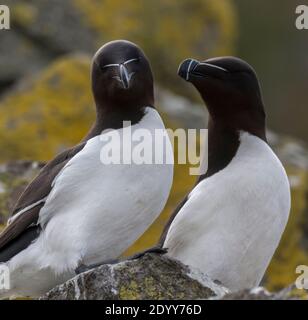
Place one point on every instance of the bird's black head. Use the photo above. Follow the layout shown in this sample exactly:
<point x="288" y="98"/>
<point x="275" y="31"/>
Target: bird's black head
<point x="122" y="77"/>
<point x="231" y="91"/>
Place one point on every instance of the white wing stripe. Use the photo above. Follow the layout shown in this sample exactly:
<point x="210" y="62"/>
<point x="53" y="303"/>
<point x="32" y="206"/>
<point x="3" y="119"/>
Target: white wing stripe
<point x="25" y="209"/>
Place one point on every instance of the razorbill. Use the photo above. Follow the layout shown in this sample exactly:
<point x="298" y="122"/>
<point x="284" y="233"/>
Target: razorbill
<point x="79" y="210"/>
<point x="230" y="224"/>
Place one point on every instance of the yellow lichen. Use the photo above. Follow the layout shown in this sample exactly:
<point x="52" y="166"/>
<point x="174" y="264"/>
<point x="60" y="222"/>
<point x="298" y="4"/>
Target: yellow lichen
<point x="129" y="292"/>
<point x="151" y="289"/>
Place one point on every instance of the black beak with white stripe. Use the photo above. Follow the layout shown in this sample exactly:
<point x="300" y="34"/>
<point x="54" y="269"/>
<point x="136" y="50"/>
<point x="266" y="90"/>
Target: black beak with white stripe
<point x="191" y="68"/>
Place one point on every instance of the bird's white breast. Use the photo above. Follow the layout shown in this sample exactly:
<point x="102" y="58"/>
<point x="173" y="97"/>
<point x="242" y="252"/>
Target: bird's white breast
<point x="232" y="221"/>
<point x="95" y="211"/>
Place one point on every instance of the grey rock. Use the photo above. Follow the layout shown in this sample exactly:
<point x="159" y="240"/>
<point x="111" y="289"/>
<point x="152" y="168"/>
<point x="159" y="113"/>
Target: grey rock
<point x="150" y="277"/>
<point x="154" y="277"/>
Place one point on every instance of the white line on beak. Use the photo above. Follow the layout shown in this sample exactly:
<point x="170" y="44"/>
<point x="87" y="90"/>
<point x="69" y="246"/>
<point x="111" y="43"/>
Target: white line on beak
<point x="213" y="66"/>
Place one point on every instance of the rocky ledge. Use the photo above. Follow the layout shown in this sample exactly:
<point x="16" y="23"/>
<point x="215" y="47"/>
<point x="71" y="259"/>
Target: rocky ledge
<point x="152" y="276"/>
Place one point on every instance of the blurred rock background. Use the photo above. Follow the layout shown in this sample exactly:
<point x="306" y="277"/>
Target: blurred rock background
<point x="44" y="81"/>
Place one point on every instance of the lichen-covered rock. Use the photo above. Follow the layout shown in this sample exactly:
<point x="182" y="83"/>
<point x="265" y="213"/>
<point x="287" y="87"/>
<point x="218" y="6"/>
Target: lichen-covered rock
<point x="155" y="277"/>
<point x="149" y="277"/>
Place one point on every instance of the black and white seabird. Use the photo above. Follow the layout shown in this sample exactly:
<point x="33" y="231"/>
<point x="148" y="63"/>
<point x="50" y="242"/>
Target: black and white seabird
<point x="230" y="224"/>
<point x="79" y="211"/>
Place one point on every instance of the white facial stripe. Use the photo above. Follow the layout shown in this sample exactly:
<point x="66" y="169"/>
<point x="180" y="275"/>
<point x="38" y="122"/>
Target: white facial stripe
<point x="131" y="60"/>
<point x="119" y="64"/>
<point x="213" y="66"/>
<point x="111" y="65"/>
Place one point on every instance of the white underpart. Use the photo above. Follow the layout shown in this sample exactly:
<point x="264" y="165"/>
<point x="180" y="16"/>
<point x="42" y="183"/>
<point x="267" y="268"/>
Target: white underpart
<point x="232" y="222"/>
<point x="93" y="213"/>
